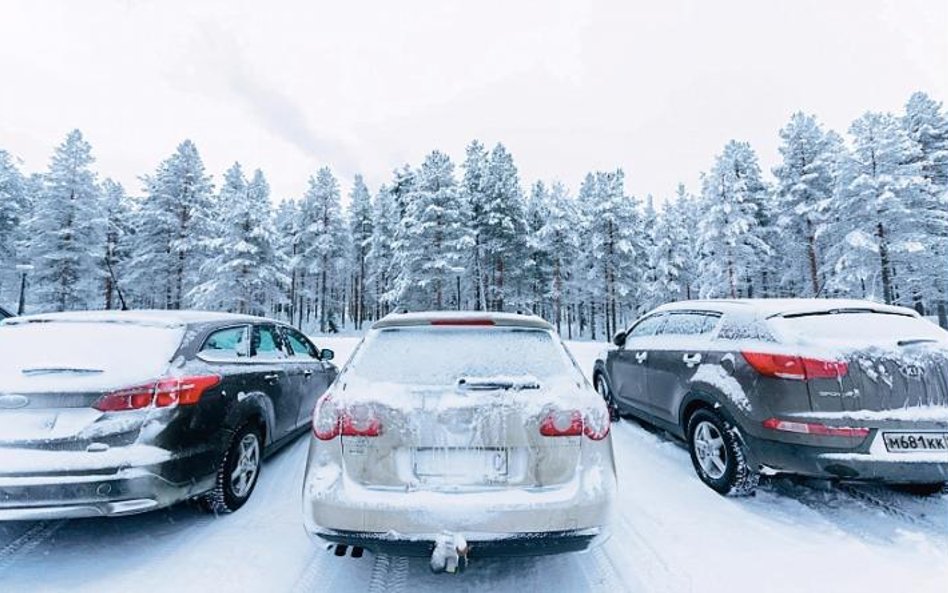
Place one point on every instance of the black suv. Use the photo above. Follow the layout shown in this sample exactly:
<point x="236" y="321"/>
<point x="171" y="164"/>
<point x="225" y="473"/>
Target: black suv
<point x="838" y="389"/>
<point x="112" y="413"/>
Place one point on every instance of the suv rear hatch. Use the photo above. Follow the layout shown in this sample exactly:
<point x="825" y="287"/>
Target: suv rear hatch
<point x="891" y="361"/>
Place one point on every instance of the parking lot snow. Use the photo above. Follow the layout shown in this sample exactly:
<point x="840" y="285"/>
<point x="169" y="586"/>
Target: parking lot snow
<point x="669" y="533"/>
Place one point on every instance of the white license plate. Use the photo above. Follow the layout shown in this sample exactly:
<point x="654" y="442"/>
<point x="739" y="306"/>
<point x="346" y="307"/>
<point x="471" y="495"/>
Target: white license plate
<point x="460" y="466"/>
<point x="911" y="442"/>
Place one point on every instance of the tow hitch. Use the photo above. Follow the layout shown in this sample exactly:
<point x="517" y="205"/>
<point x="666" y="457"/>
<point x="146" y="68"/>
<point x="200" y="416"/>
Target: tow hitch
<point x="450" y="553"/>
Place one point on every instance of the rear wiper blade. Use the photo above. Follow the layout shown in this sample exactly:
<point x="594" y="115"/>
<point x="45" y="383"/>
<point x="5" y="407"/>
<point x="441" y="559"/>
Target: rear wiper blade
<point x="470" y="384"/>
<point x="61" y="370"/>
<point x="911" y="341"/>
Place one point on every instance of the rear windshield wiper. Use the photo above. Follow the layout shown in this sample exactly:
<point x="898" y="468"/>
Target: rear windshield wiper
<point x="61" y="370"/>
<point x="912" y="341"/>
<point x="475" y="384"/>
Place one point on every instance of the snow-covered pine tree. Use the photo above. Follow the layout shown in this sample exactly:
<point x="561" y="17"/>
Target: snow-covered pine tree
<point x="876" y="213"/>
<point x="14" y="208"/>
<point x="501" y="229"/>
<point x="116" y="217"/>
<point x="615" y="248"/>
<point x="474" y="194"/>
<point x="729" y="231"/>
<point x="172" y="224"/>
<point x="806" y="179"/>
<point x="431" y="241"/>
<point x="537" y="264"/>
<point x="673" y="254"/>
<point x="244" y="271"/>
<point x="360" y="232"/>
<point x="381" y="255"/>
<point x="287" y="220"/>
<point x="66" y="229"/>
<point x="559" y="242"/>
<point x="323" y="240"/>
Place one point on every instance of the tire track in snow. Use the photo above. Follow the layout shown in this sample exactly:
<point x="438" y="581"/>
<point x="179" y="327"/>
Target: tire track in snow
<point x="889" y="507"/>
<point x="606" y="577"/>
<point x="389" y="574"/>
<point x="24" y="544"/>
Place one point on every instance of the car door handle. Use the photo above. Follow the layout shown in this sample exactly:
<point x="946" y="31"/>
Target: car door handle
<point x="691" y="359"/>
<point x="641" y="357"/>
<point x="308" y="373"/>
<point x="272" y="377"/>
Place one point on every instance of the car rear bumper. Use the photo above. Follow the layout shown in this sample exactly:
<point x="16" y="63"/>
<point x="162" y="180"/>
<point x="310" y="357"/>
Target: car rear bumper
<point x="77" y="484"/>
<point x="869" y="462"/>
<point x="481" y="545"/>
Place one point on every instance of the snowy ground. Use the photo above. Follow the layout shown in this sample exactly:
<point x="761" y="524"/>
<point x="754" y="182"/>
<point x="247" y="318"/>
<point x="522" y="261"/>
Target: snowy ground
<point x="670" y="533"/>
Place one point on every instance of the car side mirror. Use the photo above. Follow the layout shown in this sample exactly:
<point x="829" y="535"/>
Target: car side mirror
<point x="619" y="339"/>
<point x="326" y="354"/>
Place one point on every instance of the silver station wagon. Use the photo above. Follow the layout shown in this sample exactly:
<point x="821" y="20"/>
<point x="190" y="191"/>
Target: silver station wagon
<point x="458" y="436"/>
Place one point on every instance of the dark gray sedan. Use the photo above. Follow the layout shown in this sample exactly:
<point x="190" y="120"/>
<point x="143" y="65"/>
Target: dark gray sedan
<point x="838" y="389"/>
<point x="112" y="413"/>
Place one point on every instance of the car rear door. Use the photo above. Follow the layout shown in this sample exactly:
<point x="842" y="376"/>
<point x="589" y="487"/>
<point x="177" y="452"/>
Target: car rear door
<point x="309" y="376"/>
<point x="629" y="369"/>
<point x="268" y="357"/>
<point x="680" y="346"/>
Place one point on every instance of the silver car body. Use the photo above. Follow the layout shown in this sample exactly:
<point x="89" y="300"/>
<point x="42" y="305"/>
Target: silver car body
<point x="456" y="440"/>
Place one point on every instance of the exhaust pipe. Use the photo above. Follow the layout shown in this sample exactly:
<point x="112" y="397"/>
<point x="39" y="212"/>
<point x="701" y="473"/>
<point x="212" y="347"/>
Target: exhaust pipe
<point x="450" y="553"/>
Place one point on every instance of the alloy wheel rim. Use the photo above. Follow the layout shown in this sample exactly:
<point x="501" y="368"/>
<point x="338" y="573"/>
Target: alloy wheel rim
<point x="248" y="464"/>
<point x="710" y="449"/>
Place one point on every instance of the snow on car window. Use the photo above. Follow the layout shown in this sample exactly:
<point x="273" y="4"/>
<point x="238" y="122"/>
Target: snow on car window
<point x="54" y="355"/>
<point x="442" y="356"/>
<point x="689" y="324"/>
<point x="858" y="327"/>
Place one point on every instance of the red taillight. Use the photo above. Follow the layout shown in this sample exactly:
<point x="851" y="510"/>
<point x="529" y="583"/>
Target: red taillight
<point x="815" y="428"/>
<point x="463" y="321"/>
<point x="785" y="366"/>
<point x="330" y="421"/>
<point x="183" y="391"/>
<point x="572" y="423"/>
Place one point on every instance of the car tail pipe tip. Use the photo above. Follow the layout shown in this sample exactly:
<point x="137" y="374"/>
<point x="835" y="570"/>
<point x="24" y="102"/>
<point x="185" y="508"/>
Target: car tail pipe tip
<point x="450" y="553"/>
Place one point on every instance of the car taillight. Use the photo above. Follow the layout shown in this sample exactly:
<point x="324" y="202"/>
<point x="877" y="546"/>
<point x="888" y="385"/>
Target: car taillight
<point x="799" y="368"/>
<point x="330" y="420"/>
<point x="572" y="423"/>
<point x="183" y="391"/>
<point x="814" y="428"/>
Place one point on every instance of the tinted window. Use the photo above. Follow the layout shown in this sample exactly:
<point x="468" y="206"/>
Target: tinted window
<point x="689" y="324"/>
<point x="266" y="342"/>
<point x="858" y="327"/>
<point x="227" y="343"/>
<point x="300" y="347"/>
<point x="647" y="327"/>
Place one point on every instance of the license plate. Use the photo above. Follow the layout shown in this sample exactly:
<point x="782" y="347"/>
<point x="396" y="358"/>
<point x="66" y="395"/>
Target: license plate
<point x="910" y="442"/>
<point x="460" y="466"/>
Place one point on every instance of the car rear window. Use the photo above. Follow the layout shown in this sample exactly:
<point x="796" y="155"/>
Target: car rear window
<point x="443" y="356"/>
<point x="83" y="353"/>
<point x="858" y="326"/>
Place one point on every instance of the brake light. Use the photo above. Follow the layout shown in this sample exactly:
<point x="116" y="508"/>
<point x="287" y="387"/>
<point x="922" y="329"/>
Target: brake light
<point x="331" y="421"/>
<point x="815" y="428"/>
<point x="463" y="321"/>
<point x="799" y="368"/>
<point x="572" y="423"/>
<point x="183" y="391"/>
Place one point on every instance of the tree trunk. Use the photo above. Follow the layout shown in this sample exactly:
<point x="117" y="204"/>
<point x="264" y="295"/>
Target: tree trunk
<point x="884" y="263"/>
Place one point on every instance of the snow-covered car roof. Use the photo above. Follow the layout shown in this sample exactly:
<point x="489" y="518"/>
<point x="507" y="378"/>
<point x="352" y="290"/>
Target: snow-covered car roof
<point x="469" y="318"/>
<point x="784" y="307"/>
<point x="143" y="317"/>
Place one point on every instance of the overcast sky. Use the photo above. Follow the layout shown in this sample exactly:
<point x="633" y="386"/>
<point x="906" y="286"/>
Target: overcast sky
<point x="656" y="88"/>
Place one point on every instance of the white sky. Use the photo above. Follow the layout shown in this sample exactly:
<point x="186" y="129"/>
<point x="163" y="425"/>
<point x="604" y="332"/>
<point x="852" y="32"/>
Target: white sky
<point x="656" y="88"/>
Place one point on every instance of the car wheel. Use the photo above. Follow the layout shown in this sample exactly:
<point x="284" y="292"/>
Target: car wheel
<point x="603" y="388"/>
<point x="238" y="472"/>
<point x="921" y="489"/>
<point x="719" y="455"/>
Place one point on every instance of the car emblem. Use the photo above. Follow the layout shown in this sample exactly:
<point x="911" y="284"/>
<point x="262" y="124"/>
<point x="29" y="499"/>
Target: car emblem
<point x="13" y="402"/>
<point x="912" y="371"/>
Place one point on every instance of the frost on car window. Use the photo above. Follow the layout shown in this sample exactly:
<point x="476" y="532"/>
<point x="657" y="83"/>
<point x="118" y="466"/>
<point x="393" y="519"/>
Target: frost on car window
<point x="647" y="327"/>
<point x="744" y="329"/>
<point x="443" y="356"/>
<point x="689" y="324"/>
<point x="859" y="327"/>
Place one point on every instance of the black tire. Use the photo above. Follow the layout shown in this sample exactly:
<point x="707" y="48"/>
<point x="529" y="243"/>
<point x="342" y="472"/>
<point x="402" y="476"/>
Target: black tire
<point x="229" y="495"/>
<point x="602" y="387"/>
<point x="732" y="474"/>
<point x="921" y="489"/>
